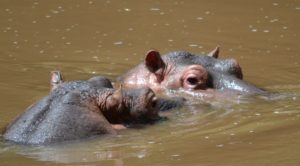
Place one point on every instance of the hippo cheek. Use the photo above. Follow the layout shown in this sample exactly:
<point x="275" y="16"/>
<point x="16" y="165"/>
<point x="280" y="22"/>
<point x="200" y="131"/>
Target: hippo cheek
<point x="154" y="84"/>
<point x="231" y="67"/>
<point x="235" y="69"/>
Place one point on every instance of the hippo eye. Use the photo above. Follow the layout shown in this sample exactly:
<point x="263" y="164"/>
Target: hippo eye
<point x="192" y="80"/>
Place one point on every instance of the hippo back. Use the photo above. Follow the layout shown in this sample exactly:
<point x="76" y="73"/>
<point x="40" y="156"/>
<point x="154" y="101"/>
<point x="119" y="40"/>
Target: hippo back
<point x="66" y="114"/>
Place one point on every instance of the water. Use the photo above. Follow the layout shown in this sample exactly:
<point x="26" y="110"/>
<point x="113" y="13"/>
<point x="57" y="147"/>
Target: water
<point x="87" y="38"/>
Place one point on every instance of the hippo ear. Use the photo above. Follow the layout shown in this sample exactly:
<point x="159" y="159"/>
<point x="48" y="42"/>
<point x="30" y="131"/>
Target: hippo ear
<point x="115" y="99"/>
<point x="55" y="80"/>
<point x="215" y="53"/>
<point x="153" y="61"/>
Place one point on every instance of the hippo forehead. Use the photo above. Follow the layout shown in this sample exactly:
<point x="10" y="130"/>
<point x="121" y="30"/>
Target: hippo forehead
<point x="186" y="58"/>
<point x="137" y="93"/>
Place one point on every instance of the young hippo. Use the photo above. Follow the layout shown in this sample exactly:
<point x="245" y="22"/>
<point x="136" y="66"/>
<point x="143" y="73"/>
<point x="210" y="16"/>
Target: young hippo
<point x="188" y="71"/>
<point x="79" y="109"/>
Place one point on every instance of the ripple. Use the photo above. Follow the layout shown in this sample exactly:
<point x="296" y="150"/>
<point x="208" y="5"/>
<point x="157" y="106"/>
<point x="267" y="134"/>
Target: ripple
<point x="127" y="9"/>
<point x="154" y="9"/>
<point x="118" y="43"/>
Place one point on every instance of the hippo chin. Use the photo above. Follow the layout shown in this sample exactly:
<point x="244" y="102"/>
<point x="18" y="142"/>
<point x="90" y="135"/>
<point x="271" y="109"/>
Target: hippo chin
<point x="184" y="70"/>
<point x="80" y="109"/>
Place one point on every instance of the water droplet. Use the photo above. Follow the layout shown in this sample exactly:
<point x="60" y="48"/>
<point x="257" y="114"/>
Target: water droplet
<point x="276" y="112"/>
<point x="199" y="18"/>
<point x="266" y="31"/>
<point x="118" y="43"/>
<point x="54" y="11"/>
<point x="127" y="9"/>
<point x="78" y="51"/>
<point x="193" y="45"/>
<point x="154" y="9"/>
<point x="141" y="155"/>
<point x="274" y="20"/>
<point x="220" y="145"/>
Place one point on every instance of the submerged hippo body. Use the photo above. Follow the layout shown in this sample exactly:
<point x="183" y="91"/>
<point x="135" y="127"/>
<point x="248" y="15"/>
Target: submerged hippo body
<point x="183" y="70"/>
<point x="79" y="109"/>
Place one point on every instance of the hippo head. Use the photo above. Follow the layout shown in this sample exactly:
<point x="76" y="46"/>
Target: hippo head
<point x="180" y="70"/>
<point x="173" y="75"/>
<point x="132" y="106"/>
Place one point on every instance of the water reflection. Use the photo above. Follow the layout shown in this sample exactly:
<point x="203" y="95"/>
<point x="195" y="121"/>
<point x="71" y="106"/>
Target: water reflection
<point x="83" y="151"/>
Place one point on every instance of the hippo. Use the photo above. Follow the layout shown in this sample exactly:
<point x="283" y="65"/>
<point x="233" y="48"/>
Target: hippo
<point x="187" y="71"/>
<point x="79" y="109"/>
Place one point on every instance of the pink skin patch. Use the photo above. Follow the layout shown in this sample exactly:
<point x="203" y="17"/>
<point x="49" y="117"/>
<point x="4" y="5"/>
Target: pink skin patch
<point x="118" y="127"/>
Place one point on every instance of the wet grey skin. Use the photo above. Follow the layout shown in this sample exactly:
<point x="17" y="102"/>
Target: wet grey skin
<point x="80" y="109"/>
<point x="223" y="74"/>
<point x="224" y="82"/>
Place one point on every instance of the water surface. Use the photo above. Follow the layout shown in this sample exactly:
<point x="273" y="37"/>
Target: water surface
<point x="87" y="38"/>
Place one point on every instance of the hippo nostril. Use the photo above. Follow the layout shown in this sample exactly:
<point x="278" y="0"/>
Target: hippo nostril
<point x="154" y="103"/>
<point x="192" y="80"/>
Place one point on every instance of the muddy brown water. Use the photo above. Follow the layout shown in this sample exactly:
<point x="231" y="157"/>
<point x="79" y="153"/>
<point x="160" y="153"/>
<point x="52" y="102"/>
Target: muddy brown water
<point x="87" y="38"/>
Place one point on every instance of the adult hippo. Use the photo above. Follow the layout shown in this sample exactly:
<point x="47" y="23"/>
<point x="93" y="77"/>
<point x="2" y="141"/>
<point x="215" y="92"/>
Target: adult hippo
<point x="79" y="109"/>
<point x="184" y="70"/>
